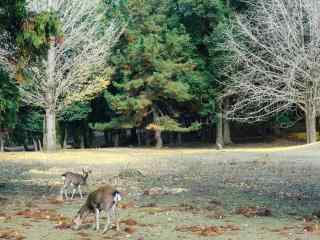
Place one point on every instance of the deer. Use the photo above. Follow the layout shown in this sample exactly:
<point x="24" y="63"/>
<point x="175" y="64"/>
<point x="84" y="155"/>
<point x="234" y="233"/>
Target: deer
<point x="74" y="180"/>
<point x="106" y="199"/>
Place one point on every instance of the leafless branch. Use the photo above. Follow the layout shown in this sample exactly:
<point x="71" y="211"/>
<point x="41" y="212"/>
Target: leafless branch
<point x="277" y="52"/>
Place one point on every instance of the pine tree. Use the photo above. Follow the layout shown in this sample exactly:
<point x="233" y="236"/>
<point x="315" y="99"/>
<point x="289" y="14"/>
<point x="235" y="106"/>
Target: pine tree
<point x="153" y="62"/>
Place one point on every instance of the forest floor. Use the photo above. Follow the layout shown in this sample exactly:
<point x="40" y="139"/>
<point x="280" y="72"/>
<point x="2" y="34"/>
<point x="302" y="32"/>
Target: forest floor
<point x="240" y="193"/>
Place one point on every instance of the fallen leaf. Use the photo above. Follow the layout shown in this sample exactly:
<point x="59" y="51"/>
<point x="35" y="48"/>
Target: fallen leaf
<point x="130" y="222"/>
<point x="127" y="205"/>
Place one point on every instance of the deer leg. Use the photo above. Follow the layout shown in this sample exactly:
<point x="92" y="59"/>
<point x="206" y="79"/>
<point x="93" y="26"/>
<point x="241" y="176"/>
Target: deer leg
<point x="79" y="190"/>
<point x="97" y="219"/>
<point x="73" y="192"/>
<point x="64" y="191"/>
<point x="106" y="228"/>
<point x="116" y="215"/>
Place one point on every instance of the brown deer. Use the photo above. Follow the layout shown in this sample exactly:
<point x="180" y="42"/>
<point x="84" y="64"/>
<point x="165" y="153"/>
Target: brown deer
<point x="106" y="199"/>
<point x="75" y="181"/>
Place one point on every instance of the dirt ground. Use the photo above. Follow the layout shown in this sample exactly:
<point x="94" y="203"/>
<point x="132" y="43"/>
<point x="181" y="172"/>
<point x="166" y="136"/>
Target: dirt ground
<point x="251" y="193"/>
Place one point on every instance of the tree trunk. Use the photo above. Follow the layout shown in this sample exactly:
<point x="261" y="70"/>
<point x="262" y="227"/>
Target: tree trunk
<point x="51" y="139"/>
<point x="106" y="137"/>
<point x="138" y="133"/>
<point x="172" y="138"/>
<point x="1" y="142"/>
<point x="116" y="139"/>
<point x="40" y="146"/>
<point x="51" y="130"/>
<point x="226" y="124"/>
<point x="157" y="131"/>
<point x="147" y="138"/>
<point x="35" y="145"/>
<point x="82" y="141"/>
<point x="219" y="129"/>
<point x="65" y="137"/>
<point x="158" y="137"/>
<point x="311" y="123"/>
<point x="226" y="132"/>
<point x="44" y="138"/>
<point x="179" y="139"/>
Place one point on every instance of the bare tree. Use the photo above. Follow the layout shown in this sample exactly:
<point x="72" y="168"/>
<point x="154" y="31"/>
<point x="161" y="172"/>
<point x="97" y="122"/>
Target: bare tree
<point x="277" y="48"/>
<point x="7" y="53"/>
<point x="75" y="67"/>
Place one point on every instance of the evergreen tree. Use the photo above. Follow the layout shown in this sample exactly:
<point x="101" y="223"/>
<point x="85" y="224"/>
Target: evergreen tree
<point x="154" y="65"/>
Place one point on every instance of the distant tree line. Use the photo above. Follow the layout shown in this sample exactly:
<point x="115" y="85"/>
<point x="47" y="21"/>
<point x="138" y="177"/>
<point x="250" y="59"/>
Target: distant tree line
<point x="149" y="72"/>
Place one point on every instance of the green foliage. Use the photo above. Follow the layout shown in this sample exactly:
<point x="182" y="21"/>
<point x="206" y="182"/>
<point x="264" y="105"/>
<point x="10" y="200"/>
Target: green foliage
<point x="119" y="9"/>
<point x="38" y="29"/>
<point x="76" y="112"/>
<point x="9" y="96"/>
<point x="29" y="125"/>
<point x="115" y="123"/>
<point x="285" y="119"/>
<point x="205" y="21"/>
<point x="167" y="124"/>
<point x="153" y="62"/>
<point x="12" y="15"/>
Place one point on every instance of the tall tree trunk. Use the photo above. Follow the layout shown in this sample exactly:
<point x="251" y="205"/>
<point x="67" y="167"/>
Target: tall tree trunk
<point x="106" y="137"/>
<point x="35" y="145"/>
<point x="50" y="97"/>
<point x="44" y="138"/>
<point x="40" y="146"/>
<point x="172" y="138"/>
<point x="147" y="137"/>
<point x="226" y="124"/>
<point x="311" y="123"/>
<point x="226" y="132"/>
<point x="82" y="141"/>
<point x="51" y="130"/>
<point x="138" y="133"/>
<point x="116" y="139"/>
<point x="158" y="137"/>
<point x="157" y="131"/>
<point x="179" y="139"/>
<point x="65" y="137"/>
<point x="219" y="130"/>
<point x="1" y="142"/>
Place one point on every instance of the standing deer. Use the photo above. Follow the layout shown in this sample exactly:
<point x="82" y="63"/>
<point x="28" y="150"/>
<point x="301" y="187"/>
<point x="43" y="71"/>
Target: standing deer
<point x="75" y="181"/>
<point x="105" y="198"/>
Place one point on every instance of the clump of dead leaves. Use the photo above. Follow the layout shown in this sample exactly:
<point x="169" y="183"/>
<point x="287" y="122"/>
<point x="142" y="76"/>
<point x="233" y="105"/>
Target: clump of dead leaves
<point x="61" y="221"/>
<point x="254" y="211"/>
<point x="10" y="234"/>
<point x="207" y="231"/>
<point x="131" y="222"/>
<point x="127" y="205"/>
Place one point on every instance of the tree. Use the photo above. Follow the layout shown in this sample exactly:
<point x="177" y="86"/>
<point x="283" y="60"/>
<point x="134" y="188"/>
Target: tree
<point x="206" y="22"/>
<point x="78" y="39"/>
<point x="9" y="96"/>
<point x="276" y="47"/>
<point x="153" y="63"/>
<point x="12" y="13"/>
<point x="29" y="127"/>
<point x="75" y="116"/>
